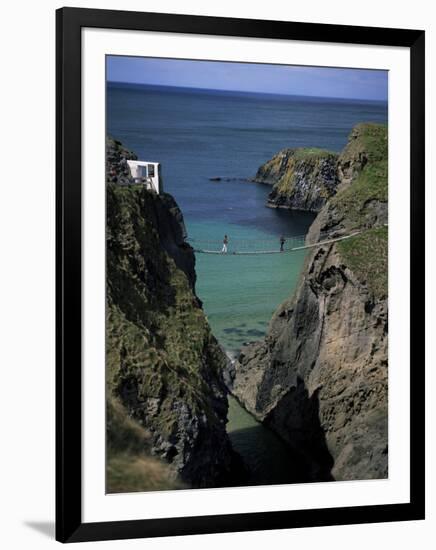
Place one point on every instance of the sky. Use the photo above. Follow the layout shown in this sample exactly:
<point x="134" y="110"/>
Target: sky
<point x="251" y="77"/>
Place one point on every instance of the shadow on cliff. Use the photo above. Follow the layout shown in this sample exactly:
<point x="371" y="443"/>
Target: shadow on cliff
<point x="296" y="419"/>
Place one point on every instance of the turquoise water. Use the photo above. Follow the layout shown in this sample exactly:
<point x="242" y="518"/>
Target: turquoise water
<point x="240" y="293"/>
<point x="200" y="134"/>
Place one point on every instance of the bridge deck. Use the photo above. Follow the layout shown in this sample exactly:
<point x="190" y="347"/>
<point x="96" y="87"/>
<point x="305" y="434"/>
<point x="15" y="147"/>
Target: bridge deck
<point x="240" y="252"/>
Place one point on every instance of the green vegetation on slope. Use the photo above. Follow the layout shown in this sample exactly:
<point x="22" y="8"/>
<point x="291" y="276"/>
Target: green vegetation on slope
<point x="370" y="185"/>
<point x="368" y="141"/>
<point x="158" y="336"/>
<point x="363" y="205"/>
<point x="368" y="149"/>
<point x="130" y="467"/>
<point x="367" y="256"/>
<point x="129" y="473"/>
<point x="163" y="363"/>
<point x="307" y="153"/>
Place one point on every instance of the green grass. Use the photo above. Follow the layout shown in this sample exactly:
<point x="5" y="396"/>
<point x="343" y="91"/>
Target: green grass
<point x="367" y="141"/>
<point x="371" y="184"/>
<point x="130" y="467"/>
<point x="370" y="138"/>
<point x="123" y="433"/>
<point x="127" y="473"/>
<point x="367" y="256"/>
<point x="367" y="253"/>
<point x="304" y="153"/>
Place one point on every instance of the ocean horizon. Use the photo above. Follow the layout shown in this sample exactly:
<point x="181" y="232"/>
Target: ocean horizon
<point x="197" y="135"/>
<point x="225" y="92"/>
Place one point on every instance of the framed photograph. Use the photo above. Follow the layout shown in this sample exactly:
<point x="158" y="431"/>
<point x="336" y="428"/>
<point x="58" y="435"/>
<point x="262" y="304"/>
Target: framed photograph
<point x="240" y="274"/>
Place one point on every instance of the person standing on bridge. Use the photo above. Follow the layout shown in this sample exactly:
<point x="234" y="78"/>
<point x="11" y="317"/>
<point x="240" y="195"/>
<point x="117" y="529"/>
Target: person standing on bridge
<point x="225" y="243"/>
<point x="282" y="243"/>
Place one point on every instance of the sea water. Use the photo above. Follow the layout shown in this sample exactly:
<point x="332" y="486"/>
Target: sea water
<point x="201" y="134"/>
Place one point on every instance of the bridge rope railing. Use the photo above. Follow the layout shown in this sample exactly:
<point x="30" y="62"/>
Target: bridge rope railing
<point x="239" y="246"/>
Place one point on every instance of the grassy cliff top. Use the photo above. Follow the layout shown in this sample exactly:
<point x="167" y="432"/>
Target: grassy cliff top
<point x="363" y="205"/>
<point x="369" y="144"/>
<point x="366" y="139"/>
<point x="283" y="161"/>
<point x="370" y="185"/>
<point x="309" y="153"/>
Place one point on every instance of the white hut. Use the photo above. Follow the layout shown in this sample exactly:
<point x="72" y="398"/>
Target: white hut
<point x="147" y="173"/>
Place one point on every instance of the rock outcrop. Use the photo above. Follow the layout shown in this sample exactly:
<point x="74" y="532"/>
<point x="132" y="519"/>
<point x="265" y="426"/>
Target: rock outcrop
<point x="117" y="169"/>
<point x="320" y="377"/>
<point x="164" y="366"/>
<point x="302" y="179"/>
<point x="366" y="144"/>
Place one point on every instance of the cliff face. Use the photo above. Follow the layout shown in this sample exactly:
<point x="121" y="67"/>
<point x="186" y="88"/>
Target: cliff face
<point x="130" y="465"/>
<point x="117" y="170"/>
<point x="164" y="367"/>
<point x="302" y="179"/>
<point x="319" y="378"/>
<point x="367" y="143"/>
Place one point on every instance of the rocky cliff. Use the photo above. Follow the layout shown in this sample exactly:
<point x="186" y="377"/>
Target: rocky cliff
<point x="302" y="179"/>
<point x="131" y="465"/>
<point x="117" y="169"/>
<point x="164" y="367"/>
<point x="320" y="377"/>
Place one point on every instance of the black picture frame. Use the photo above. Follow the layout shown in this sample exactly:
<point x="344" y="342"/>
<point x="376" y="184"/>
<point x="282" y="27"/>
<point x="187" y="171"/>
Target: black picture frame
<point x="69" y="525"/>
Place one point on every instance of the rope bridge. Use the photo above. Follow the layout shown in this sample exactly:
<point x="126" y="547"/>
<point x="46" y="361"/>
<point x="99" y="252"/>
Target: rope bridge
<point x="261" y="246"/>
